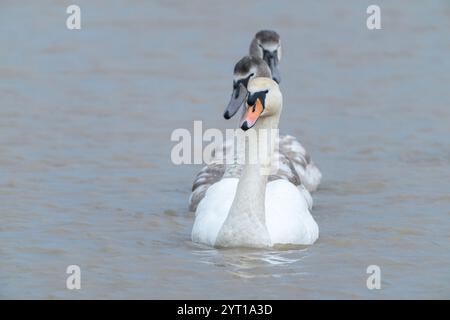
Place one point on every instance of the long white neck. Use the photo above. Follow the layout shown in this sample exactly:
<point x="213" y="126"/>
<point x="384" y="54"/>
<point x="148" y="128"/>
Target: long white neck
<point x="245" y="223"/>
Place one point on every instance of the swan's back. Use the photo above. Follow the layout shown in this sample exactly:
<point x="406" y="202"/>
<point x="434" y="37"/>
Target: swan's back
<point x="295" y="166"/>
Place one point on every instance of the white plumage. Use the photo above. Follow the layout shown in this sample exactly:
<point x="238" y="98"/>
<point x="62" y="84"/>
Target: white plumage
<point x="288" y="219"/>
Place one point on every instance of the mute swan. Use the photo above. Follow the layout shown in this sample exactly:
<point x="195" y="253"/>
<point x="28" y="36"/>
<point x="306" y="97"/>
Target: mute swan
<point x="297" y="165"/>
<point x="250" y="211"/>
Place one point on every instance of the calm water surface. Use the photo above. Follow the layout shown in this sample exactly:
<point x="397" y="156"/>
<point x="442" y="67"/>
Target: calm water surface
<point x="85" y="124"/>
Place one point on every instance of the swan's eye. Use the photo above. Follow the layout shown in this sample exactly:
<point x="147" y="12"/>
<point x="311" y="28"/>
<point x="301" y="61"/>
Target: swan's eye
<point x="261" y="95"/>
<point x="244" y="81"/>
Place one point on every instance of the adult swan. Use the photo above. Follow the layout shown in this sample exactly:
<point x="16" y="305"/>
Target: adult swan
<point x="250" y="211"/>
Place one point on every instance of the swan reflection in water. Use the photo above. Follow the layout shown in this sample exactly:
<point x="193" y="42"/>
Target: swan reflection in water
<point x="254" y="263"/>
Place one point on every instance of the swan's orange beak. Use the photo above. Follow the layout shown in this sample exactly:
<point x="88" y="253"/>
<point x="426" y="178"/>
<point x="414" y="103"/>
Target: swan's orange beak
<point x="251" y="115"/>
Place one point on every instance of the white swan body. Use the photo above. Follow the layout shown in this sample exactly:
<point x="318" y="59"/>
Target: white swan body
<point x="288" y="219"/>
<point x="252" y="211"/>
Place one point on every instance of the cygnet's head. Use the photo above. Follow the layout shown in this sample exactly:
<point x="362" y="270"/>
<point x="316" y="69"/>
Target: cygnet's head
<point x="267" y="45"/>
<point x="247" y="68"/>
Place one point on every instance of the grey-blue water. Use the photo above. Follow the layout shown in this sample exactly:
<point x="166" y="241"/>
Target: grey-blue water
<point x="85" y="170"/>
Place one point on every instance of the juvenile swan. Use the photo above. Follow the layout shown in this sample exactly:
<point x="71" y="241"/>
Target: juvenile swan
<point x="267" y="45"/>
<point x="250" y="211"/>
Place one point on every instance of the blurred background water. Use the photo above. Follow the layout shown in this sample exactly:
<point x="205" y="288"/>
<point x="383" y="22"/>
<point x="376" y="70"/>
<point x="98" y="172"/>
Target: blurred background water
<point x="85" y="124"/>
